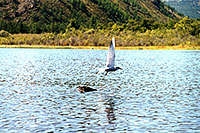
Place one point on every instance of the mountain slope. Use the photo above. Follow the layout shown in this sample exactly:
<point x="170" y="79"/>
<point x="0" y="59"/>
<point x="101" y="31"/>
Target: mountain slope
<point x="82" y="13"/>
<point x="189" y="8"/>
<point x="63" y="10"/>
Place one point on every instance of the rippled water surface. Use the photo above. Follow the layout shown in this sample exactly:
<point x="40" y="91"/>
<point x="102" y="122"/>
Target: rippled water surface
<point x="157" y="91"/>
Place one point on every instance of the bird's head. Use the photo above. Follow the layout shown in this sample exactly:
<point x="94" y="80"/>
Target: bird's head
<point x="118" y="68"/>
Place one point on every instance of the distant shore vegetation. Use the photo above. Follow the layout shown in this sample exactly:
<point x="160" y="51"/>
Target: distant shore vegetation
<point x="184" y="32"/>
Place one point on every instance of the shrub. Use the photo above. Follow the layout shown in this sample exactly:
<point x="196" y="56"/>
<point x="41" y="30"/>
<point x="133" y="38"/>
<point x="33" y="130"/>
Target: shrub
<point x="4" y="33"/>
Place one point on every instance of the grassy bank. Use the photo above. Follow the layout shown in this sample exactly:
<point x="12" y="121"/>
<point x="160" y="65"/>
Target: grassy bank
<point x="100" y="39"/>
<point x="103" y="47"/>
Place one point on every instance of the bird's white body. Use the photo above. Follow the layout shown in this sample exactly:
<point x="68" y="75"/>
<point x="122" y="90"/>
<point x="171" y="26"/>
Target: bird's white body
<point x="110" y="63"/>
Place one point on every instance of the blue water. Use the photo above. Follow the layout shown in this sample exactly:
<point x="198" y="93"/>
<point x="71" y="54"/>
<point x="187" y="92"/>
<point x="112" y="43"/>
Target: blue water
<point x="157" y="91"/>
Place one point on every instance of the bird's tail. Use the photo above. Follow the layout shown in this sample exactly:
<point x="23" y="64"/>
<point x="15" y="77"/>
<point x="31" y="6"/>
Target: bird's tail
<point x="100" y="70"/>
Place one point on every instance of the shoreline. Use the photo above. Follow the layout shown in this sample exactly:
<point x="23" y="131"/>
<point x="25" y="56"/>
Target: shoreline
<point x="103" y="47"/>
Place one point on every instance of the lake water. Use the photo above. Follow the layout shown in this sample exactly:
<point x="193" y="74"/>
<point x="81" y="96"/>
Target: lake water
<point x="157" y="91"/>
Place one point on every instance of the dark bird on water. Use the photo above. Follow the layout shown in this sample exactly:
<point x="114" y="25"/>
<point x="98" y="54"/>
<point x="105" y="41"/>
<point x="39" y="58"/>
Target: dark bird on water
<point x="83" y="89"/>
<point x="110" y="59"/>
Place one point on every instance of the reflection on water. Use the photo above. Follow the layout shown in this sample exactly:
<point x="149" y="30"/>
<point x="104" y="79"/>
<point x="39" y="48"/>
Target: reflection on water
<point x="110" y="110"/>
<point x="157" y="91"/>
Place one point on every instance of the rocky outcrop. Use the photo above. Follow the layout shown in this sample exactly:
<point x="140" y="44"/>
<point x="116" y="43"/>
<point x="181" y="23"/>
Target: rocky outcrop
<point x="25" y="5"/>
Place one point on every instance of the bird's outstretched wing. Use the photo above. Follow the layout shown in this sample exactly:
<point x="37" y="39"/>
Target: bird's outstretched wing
<point x="111" y="54"/>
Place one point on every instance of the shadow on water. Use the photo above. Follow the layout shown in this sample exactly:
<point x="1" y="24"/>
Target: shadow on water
<point x="106" y="105"/>
<point x="109" y="103"/>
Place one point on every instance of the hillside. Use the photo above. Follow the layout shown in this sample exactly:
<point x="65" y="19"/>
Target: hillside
<point x="45" y="15"/>
<point x="189" y="8"/>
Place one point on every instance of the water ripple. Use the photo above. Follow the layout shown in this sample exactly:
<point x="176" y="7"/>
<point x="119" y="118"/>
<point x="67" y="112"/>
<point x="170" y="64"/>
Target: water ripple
<point x="157" y="91"/>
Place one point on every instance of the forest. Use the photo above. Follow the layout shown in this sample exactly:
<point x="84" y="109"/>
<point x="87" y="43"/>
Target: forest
<point x="184" y="33"/>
